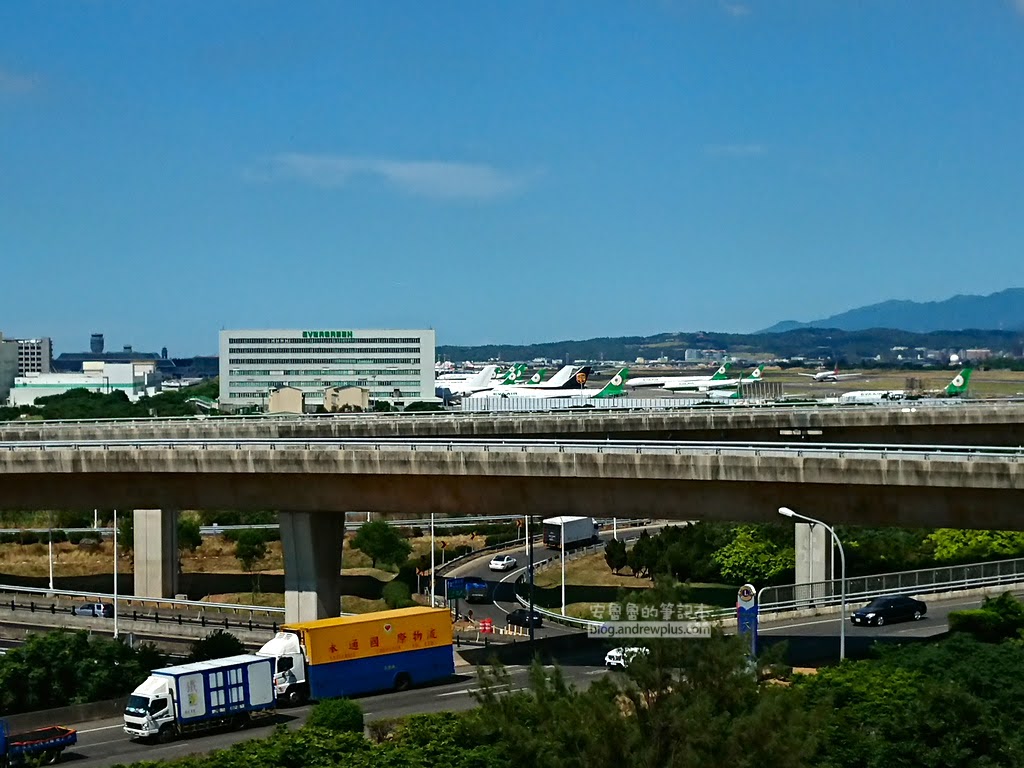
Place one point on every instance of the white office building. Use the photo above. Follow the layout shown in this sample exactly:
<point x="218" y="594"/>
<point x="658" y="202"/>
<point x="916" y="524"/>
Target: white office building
<point x="396" y="366"/>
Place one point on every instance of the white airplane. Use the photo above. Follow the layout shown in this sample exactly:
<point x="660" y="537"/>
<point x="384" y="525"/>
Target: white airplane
<point x="671" y="382"/>
<point x="713" y="383"/>
<point x="477" y="382"/>
<point x="956" y="388"/>
<point x="833" y="375"/>
<point x="614" y="388"/>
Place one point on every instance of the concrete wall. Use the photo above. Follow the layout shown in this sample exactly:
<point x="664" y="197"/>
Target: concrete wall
<point x="156" y="552"/>
<point x="964" y="424"/>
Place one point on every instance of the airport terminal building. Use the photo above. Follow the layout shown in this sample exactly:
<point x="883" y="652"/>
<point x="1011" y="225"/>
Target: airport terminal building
<point x="394" y="365"/>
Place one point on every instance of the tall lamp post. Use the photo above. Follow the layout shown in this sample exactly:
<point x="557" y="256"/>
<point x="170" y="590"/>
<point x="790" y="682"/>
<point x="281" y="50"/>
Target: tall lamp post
<point x="115" y="574"/>
<point x="563" y="565"/>
<point x="529" y="549"/>
<point x="787" y="512"/>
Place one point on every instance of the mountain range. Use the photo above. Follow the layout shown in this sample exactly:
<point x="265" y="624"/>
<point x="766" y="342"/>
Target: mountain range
<point x="998" y="311"/>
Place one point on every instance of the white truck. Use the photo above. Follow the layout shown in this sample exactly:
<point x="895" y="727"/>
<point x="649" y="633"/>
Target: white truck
<point x="576" y="531"/>
<point x="200" y="696"/>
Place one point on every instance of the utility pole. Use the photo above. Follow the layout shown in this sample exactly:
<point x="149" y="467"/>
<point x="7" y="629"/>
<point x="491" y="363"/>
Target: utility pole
<point x="529" y="545"/>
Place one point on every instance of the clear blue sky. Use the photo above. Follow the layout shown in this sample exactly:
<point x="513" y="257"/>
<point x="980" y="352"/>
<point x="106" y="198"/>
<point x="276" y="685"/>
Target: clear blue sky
<point x="502" y="172"/>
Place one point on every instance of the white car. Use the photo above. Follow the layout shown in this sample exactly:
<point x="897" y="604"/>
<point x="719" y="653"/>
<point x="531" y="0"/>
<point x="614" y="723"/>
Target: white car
<point x="502" y="563"/>
<point x="623" y="657"/>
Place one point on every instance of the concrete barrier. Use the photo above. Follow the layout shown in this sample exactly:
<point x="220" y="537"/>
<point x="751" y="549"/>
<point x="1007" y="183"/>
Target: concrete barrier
<point x="76" y="713"/>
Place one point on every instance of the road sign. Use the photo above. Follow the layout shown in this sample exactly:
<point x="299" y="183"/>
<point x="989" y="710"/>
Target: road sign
<point x="456" y="588"/>
<point x="746" y="614"/>
<point x="444" y="545"/>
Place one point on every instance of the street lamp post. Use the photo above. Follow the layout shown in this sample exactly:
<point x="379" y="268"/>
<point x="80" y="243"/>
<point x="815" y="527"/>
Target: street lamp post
<point x="115" y="574"/>
<point x="563" y="566"/>
<point x="529" y="549"/>
<point x="787" y="512"/>
<point x="432" y="579"/>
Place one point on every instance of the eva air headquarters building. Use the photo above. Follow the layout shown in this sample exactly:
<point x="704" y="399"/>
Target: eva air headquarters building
<point x="394" y="365"/>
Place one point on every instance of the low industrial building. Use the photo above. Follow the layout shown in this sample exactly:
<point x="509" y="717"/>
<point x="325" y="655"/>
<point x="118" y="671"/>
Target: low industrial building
<point x="342" y="399"/>
<point x="286" y="400"/>
<point x="8" y="365"/>
<point x="136" y="380"/>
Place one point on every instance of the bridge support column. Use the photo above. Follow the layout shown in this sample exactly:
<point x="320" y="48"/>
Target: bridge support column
<point x="156" y="552"/>
<point x="312" y="543"/>
<point x="813" y="546"/>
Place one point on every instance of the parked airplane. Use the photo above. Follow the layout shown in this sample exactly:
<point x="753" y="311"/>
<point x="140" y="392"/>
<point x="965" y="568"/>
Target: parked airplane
<point x="614" y="388"/>
<point x="713" y="383"/>
<point x="956" y="388"/>
<point x="568" y="377"/>
<point x="833" y="375"/>
<point x="477" y="382"/>
<point x="671" y="382"/>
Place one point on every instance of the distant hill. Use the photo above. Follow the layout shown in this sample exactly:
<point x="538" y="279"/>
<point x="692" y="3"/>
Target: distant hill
<point x="1002" y="311"/>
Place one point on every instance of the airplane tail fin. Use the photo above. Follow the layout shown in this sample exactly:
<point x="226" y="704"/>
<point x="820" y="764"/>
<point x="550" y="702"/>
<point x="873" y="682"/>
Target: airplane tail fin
<point x="755" y="375"/>
<point x="617" y="385"/>
<point x="482" y="378"/>
<point x="960" y="382"/>
<point x="537" y="378"/>
<point x="512" y="374"/>
<point x="721" y="373"/>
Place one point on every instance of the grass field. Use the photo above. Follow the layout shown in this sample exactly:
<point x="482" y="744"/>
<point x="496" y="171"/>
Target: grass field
<point x="983" y="383"/>
<point x="215" y="555"/>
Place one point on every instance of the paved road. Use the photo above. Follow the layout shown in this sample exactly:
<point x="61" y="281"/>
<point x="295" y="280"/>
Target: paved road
<point x="502" y="583"/>
<point x="104" y="743"/>
<point x="935" y="622"/>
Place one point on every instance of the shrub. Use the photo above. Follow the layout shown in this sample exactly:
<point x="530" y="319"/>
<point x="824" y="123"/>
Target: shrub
<point x="340" y="715"/>
<point x="59" y="535"/>
<point x="417" y="532"/>
<point x="397" y="594"/>
<point x="383" y="729"/>
<point x="216" y="645"/>
<point x="28" y="537"/>
<point x="501" y="538"/>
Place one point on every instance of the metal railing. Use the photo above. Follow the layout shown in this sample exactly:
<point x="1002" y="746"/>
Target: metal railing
<point x="780" y="600"/>
<point x="132" y="600"/>
<point x="927" y="581"/>
<point x="761" y="449"/>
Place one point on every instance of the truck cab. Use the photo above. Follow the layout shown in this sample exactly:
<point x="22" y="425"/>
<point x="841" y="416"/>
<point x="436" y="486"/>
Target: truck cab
<point x="291" y="685"/>
<point x="150" y="709"/>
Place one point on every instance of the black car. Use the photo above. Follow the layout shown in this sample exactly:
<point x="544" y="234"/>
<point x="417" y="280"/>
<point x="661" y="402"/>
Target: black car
<point x="476" y="589"/>
<point x="520" y="617"/>
<point x="892" y="608"/>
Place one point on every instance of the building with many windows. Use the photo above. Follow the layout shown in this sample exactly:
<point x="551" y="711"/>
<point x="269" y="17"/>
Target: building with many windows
<point x="396" y="366"/>
<point x="34" y="356"/>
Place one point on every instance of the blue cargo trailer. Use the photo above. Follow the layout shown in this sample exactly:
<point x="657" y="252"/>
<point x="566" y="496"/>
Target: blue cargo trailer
<point x="42" y="745"/>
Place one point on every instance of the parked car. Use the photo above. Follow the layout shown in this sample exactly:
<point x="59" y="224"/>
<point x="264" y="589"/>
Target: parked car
<point x="623" y="657"/>
<point x="889" y="608"/>
<point x="477" y="590"/>
<point x="97" y="610"/>
<point x="502" y="563"/>
<point x="521" y="617"/>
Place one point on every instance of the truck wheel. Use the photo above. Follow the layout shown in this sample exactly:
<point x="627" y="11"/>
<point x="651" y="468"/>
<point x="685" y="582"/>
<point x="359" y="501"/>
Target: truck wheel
<point x="402" y="681"/>
<point x="166" y="734"/>
<point x="295" y="697"/>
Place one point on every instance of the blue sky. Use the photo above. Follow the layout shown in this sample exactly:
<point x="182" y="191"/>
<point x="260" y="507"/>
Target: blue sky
<point x="501" y="172"/>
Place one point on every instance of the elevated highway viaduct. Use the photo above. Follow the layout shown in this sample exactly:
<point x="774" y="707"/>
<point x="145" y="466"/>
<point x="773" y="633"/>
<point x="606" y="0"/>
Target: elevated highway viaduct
<point x="939" y="423"/>
<point x="311" y="482"/>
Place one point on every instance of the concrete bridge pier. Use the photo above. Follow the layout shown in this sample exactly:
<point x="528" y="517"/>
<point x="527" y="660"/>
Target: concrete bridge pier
<point x="813" y="546"/>
<point x="312" y="543"/>
<point x="156" y="552"/>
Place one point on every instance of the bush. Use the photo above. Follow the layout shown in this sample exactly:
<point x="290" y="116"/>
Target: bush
<point x="397" y="594"/>
<point x="28" y="537"/>
<point x="459" y="551"/>
<point x="341" y="715"/>
<point x="59" y="535"/>
<point x="8" y="538"/>
<point x="417" y="532"/>
<point x="216" y="645"/>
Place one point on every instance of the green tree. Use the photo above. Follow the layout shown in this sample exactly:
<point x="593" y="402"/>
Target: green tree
<point x="950" y="545"/>
<point x="999" y="618"/>
<point x="62" y="667"/>
<point x="756" y="555"/>
<point x="382" y="542"/>
<point x="190" y="538"/>
<point x="216" y="645"/>
<point x="615" y="555"/>
<point x="126" y="532"/>
<point x="250" y="550"/>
